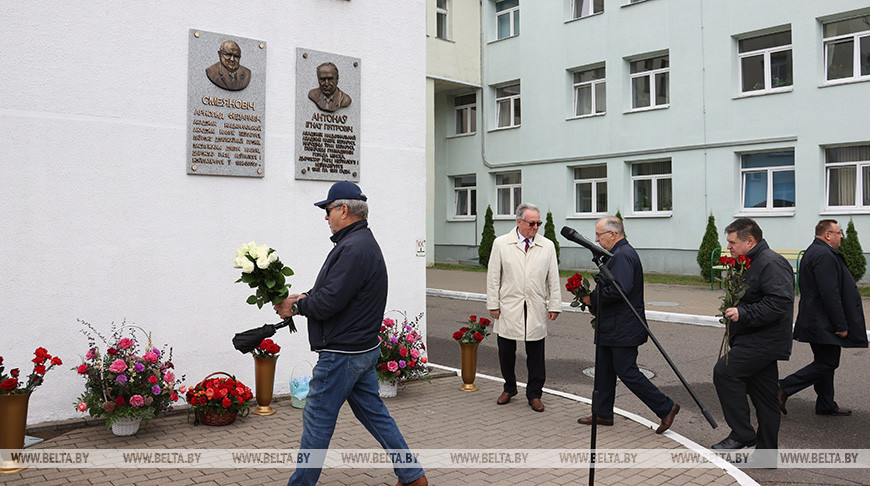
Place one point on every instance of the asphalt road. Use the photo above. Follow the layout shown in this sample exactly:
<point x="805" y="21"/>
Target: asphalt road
<point x="694" y="350"/>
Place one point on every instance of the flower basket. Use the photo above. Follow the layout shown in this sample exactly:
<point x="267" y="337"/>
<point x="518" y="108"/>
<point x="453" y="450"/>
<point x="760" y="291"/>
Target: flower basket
<point x="218" y="400"/>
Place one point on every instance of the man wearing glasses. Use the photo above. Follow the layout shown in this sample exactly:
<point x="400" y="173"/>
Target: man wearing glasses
<point x="228" y="73"/>
<point x="522" y="274"/>
<point x="830" y="317"/>
<point x="345" y="310"/>
<point x="620" y="333"/>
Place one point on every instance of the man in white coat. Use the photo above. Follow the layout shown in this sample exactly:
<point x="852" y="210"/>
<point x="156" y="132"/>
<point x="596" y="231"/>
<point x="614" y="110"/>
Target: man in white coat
<point x="522" y="274"/>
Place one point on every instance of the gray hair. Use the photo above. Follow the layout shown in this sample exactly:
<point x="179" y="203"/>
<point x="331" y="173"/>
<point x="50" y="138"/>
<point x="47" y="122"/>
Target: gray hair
<point x="522" y="208"/>
<point x="612" y="223"/>
<point x="355" y="207"/>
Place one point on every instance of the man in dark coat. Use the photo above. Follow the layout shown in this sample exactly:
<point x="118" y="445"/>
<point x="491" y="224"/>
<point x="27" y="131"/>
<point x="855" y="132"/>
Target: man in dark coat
<point x="228" y="73"/>
<point x="830" y="316"/>
<point x="620" y="333"/>
<point x="760" y="334"/>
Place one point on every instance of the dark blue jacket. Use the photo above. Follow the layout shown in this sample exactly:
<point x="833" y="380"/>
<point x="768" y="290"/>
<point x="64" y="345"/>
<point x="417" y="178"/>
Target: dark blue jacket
<point x="830" y="301"/>
<point x="767" y="307"/>
<point x="345" y="308"/>
<point x="618" y="325"/>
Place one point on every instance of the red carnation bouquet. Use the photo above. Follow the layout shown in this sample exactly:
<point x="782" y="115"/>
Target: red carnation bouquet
<point x="9" y="384"/>
<point x="734" y="287"/>
<point x="266" y="349"/>
<point x="220" y="395"/>
<point x="579" y="287"/>
<point x="474" y="331"/>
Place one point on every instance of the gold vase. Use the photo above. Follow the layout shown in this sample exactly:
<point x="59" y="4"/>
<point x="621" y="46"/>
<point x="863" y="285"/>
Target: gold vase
<point x="13" y="423"/>
<point x="468" y="358"/>
<point x="264" y="377"/>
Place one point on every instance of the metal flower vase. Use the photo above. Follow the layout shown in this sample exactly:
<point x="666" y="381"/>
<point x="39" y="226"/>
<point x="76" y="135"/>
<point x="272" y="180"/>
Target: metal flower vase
<point x="13" y="423"/>
<point x="468" y="360"/>
<point x="264" y="377"/>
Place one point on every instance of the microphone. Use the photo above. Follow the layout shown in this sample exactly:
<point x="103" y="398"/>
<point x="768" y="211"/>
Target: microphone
<point x="576" y="237"/>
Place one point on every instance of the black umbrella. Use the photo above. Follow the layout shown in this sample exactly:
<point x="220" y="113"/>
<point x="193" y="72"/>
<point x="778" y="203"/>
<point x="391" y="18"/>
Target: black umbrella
<point x="247" y="341"/>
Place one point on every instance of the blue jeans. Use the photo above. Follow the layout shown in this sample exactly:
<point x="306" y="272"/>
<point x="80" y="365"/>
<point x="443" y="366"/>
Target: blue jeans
<point x="340" y="377"/>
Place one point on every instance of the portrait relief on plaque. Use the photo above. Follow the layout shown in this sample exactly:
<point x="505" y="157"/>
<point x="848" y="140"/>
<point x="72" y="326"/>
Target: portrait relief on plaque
<point x="327" y="116"/>
<point x="226" y="105"/>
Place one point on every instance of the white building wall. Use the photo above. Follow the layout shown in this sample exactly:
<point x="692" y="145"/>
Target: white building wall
<point x="100" y="220"/>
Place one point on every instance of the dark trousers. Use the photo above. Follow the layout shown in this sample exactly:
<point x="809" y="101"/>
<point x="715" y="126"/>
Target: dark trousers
<point x="621" y="362"/>
<point x="819" y="373"/>
<point x="507" y="359"/>
<point x="747" y="373"/>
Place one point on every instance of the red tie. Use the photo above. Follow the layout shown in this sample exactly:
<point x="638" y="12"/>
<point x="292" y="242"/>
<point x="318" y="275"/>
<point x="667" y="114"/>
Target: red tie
<point x="527" y="244"/>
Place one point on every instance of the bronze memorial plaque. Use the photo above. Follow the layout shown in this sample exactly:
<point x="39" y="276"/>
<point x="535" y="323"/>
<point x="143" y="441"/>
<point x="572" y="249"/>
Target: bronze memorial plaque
<point x="226" y="105"/>
<point x="327" y="116"/>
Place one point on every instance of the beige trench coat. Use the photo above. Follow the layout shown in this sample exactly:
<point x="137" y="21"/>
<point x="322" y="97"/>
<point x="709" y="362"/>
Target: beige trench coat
<point x="515" y="277"/>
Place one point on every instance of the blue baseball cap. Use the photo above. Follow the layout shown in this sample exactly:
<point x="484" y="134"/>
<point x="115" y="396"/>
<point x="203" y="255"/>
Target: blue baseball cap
<point x="342" y="190"/>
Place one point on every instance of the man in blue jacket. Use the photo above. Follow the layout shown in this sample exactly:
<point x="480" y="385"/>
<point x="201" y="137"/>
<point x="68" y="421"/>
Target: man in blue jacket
<point x="620" y="333"/>
<point x="345" y="309"/>
<point x="830" y="316"/>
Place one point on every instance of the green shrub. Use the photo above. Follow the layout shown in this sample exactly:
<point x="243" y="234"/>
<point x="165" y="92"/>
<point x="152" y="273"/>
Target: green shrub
<point x="550" y="233"/>
<point x="852" y="252"/>
<point x="486" y="238"/>
<point x="709" y="242"/>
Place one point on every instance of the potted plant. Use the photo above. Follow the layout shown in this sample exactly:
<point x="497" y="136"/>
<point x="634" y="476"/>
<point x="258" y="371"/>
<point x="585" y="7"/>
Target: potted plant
<point x="14" y="398"/>
<point x="218" y="400"/>
<point x="265" y="358"/>
<point x="131" y="382"/>
<point x="402" y="354"/>
<point x="469" y="336"/>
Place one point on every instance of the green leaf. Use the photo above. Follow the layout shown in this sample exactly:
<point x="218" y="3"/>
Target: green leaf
<point x="287" y="271"/>
<point x="270" y="283"/>
<point x="259" y="304"/>
<point x="252" y="299"/>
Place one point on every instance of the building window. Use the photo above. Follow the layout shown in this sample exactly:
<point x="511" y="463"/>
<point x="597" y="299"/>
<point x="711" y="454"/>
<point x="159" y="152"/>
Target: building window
<point x="466" y="114"/>
<point x="589" y="92"/>
<point x="508" y="192"/>
<point x="847" y="49"/>
<point x="848" y="177"/>
<point x="441" y="19"/>
<point x="590" y="189"/>
<point x="507" y="103"/>
<point x="465" y="196"/>
<point x="768" y="180"/>
<point x="652" y="188"/>
<point x="765" y="63"/>
<point x="507" y="17"/>
<point x="649" y="83"/>
<point x="585" y="8"/>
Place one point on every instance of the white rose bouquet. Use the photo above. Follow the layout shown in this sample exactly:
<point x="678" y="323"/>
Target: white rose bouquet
<point x="262" y="270"/>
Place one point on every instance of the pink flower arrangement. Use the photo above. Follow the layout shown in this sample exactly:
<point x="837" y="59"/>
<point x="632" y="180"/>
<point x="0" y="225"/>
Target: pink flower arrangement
<point x="402" y="351"/>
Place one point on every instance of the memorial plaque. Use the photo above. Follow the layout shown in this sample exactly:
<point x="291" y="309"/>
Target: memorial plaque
<point x="327" y="116"/>
<point x="226" y="105"/>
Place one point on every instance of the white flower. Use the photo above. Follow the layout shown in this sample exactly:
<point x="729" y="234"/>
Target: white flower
<point x="247" y="266"/>
<point x="262" y="251"/>
<point x="239" y="261"/>
<point x="253" y="251"/>
<point x="273" y="256"/>
<point x="263" y="262"/>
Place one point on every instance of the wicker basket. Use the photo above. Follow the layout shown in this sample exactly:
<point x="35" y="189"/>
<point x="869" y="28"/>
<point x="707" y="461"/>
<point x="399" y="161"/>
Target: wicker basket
<point x="210" y="417"/>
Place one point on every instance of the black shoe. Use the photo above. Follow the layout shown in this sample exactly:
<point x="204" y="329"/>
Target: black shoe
<point x="837" y="412"/>
<point x="782" y="396"/>
<point x="731" y="444"/>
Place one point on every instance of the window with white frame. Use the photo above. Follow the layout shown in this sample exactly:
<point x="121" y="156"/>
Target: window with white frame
<point x="507" y="18"/>
<point x="508" y="192"/>
<point x="589" y="92"/>
<point x="768" y="180"/>
<point x="848" y="177"/>
<point x="507" y="105"/>
<point x="590" y="189"/>
<point x="465" y="196"/>
<point x="847" y="49"/>
<point x="651" y="187"/>
<point x="649" y="83"/>
<point x="441" y="16"/>
<point x="466" y="114"/>
<point x="585" y="8"/>
<point x="765" y="63"/>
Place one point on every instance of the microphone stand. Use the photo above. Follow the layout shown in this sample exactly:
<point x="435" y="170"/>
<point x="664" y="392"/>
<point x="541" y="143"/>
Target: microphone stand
<point x="605" y="277"/>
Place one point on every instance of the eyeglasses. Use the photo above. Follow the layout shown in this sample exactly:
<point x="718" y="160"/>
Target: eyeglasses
<point x="329" y="208"/>
<point x="231" y="54"/>
<point x="604" y="233"/>
<point x="532" y="223"/>
<point x="836" y="232"/>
